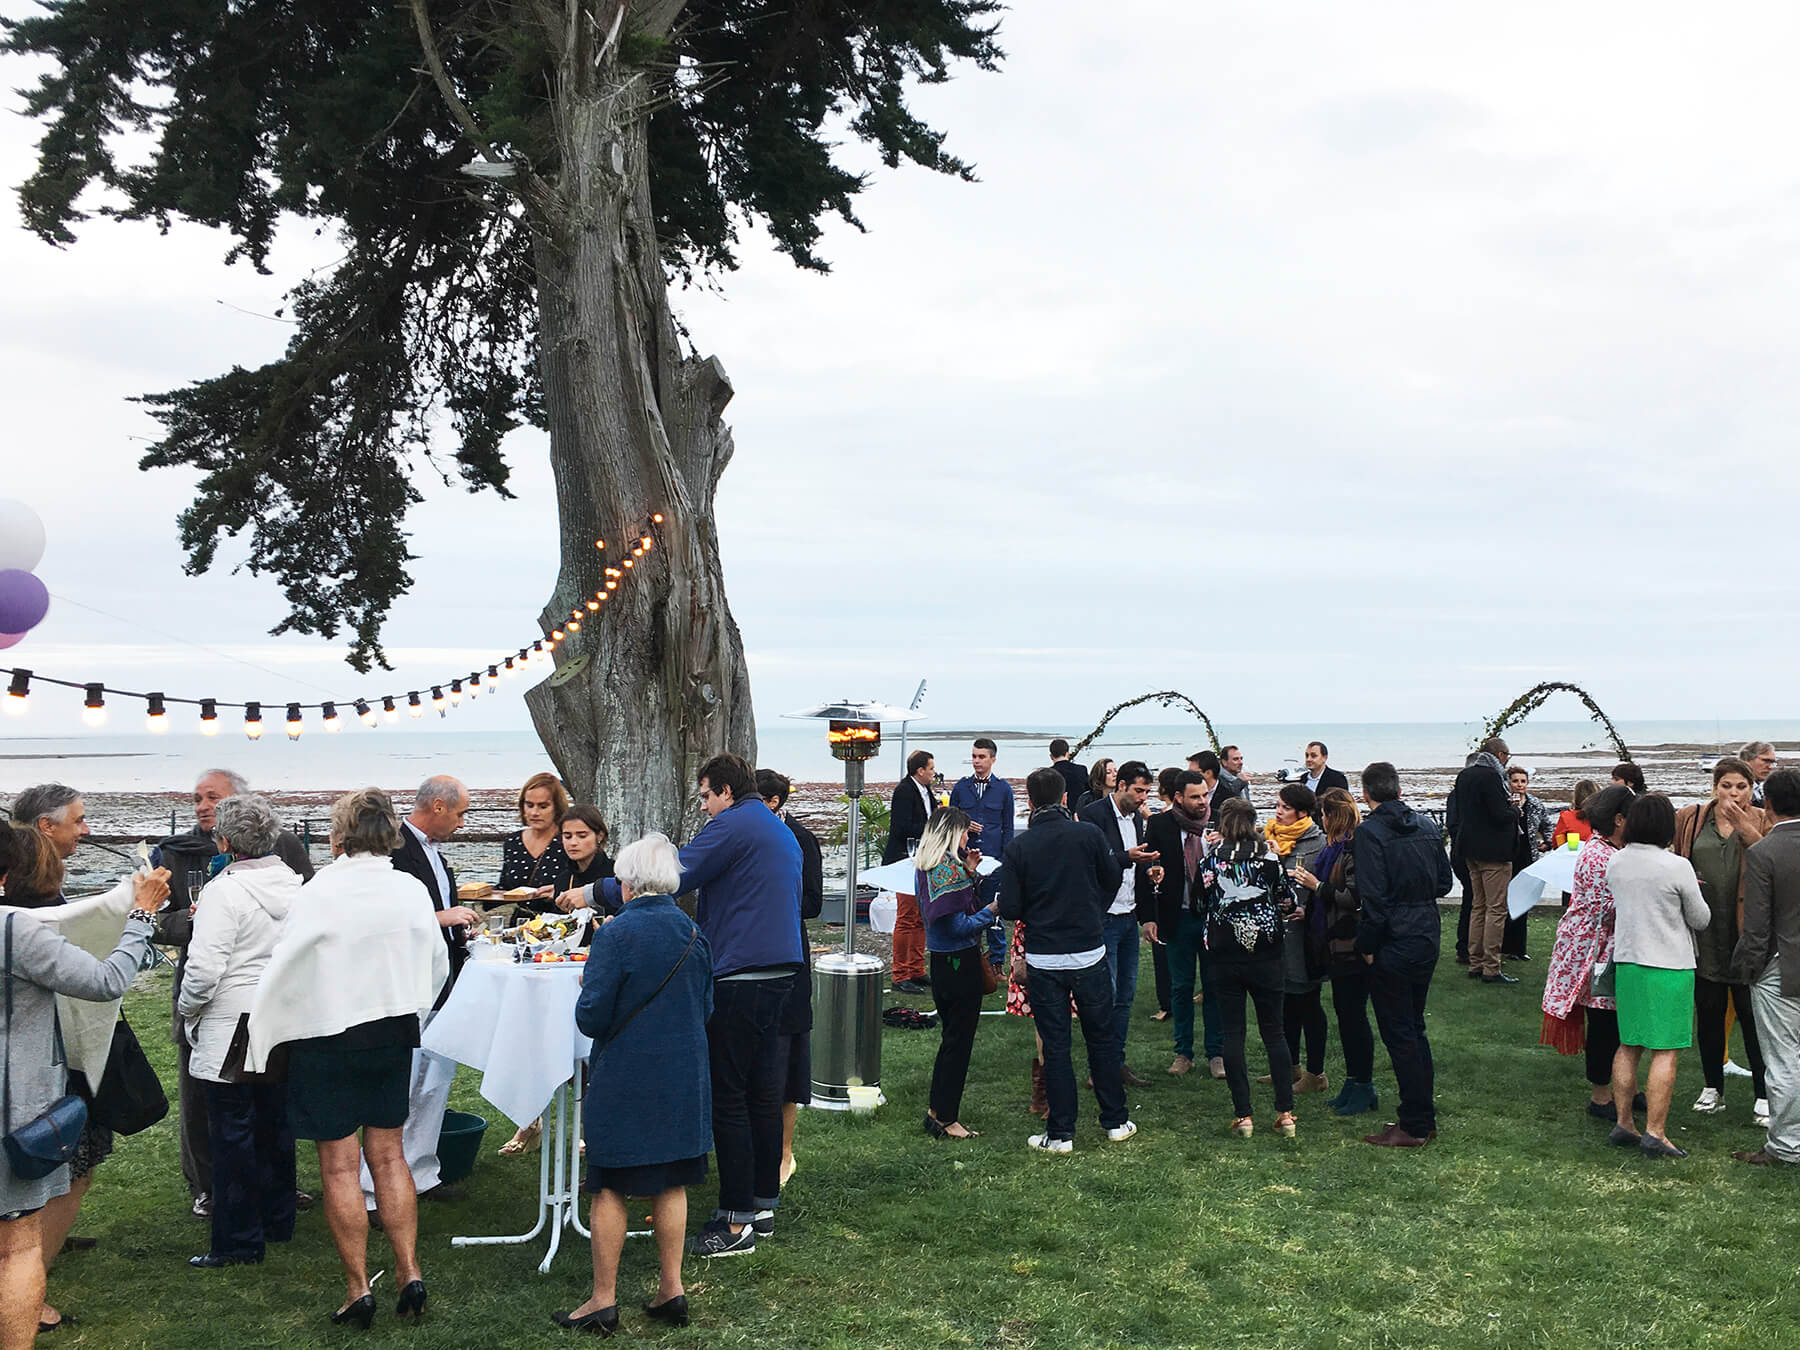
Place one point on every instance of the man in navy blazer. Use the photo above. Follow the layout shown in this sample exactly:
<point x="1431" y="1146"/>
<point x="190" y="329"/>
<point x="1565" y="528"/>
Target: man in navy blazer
<point x="1120" y="818"/>
<point x="1320" y="776"/>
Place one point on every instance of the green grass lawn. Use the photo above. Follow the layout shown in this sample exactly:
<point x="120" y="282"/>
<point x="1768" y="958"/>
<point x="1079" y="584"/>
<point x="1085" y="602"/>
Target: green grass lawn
<point x="1518" y="1227"/>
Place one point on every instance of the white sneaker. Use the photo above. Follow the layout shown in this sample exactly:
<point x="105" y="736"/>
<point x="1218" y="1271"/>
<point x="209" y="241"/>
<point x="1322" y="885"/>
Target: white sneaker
<point x="1119" y="1134"/>
<point x="1761" y="1112"/>
<point x="1043" y="1143"/>
<point x="1710" y="1102"/>
<point x="1735" y="1070"/>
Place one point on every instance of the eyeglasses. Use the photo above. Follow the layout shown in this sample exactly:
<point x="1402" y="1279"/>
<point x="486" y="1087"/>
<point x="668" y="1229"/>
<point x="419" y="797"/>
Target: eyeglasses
<point x="1765" y="759"/>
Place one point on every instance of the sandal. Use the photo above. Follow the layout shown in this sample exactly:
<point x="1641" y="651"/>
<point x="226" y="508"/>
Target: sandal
<point x="1284" y="1124"/>
<point x="1243" y="1127"/>
<point x="524" y="1141"/>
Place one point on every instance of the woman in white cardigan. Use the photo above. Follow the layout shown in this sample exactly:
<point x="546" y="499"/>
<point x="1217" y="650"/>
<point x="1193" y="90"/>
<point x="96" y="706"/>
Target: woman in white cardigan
<point x="236" y="924"/>
<point x="361" y="957"/>
<point x="1657" y="910"/>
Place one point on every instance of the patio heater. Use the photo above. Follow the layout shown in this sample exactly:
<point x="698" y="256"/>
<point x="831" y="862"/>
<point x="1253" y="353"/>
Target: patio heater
<point x="846" y="1050"/>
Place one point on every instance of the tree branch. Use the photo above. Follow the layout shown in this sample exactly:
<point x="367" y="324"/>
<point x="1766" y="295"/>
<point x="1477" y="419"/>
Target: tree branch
<point x="441" y="77"/>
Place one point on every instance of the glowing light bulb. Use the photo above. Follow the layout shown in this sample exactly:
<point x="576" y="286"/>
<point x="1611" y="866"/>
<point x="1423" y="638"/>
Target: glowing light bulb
<point x="593" y="604"/>
<point x="574" y="625"/>
<point x="511" y="669"/>
<point x="475" y="685"/>
<point x="644" y="543"/>
<point x="93" y="712"/>
<point x="437" y="699"/>
<point x="209" y="717"/>
<point x="156" y="717"/>
<point x="628" y="562"/>
<point x="657" y="517"/>
<point x="389" y="713"/>
<point x="18" y="694"/>
<point x="328" y="718"/>
<point x="456" y="693"/>
<point x="414" y="708"/>
<point x="556" y="635"/>
<point x="365" y="712"/>
<point x="253" y="726"/>
<point x="294" y="725"/>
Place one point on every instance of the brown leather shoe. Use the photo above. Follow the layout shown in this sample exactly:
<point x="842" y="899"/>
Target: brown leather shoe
<point x="1394" y="1137"/>
<point x="1759" y="1158"/>
<point x="1181" y="1065"/>
<point x="1040" y="1098"/>
<point x="1312" y="1082"/>
<point x="1133" y="1079"/>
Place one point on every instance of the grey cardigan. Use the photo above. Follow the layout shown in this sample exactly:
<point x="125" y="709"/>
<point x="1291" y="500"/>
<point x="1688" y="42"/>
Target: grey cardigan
<point x="1657" y="900"/>
<point x="44" y="964"/>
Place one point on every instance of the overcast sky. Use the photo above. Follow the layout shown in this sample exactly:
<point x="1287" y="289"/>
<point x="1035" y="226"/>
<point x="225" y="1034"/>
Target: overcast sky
<point x="1357" y="363"/>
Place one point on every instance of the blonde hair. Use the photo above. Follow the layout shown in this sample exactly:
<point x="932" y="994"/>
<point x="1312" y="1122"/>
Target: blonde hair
<point x="365" y="822"/>
<point x="942" y="831"/>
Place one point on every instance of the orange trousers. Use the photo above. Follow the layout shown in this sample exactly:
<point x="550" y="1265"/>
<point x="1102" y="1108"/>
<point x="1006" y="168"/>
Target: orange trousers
<point x="909" y="940"/>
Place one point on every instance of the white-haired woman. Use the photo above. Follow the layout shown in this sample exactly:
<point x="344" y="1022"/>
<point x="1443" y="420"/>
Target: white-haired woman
<point x="236" y="923"/>
<point x="645" y="998"/>
<point x="358" y="961"/>
<point x="956" y="923"/>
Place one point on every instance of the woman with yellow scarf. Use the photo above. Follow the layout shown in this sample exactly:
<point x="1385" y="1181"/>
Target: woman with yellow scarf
<point x="1297" y="841"/>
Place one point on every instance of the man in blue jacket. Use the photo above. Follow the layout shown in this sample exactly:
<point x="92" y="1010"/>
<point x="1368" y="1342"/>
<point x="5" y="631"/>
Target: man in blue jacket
<point x="1401" y="871"/>
<point x="746" y="865"/>
<point x="987" y="799"/>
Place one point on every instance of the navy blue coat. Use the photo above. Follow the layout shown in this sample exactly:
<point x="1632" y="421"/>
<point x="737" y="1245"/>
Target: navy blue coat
<point x="649" y="1095"/>
<point x="1401" y="872"/>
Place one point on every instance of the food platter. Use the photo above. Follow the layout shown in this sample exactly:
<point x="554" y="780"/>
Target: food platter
<point x="542" y="939"/>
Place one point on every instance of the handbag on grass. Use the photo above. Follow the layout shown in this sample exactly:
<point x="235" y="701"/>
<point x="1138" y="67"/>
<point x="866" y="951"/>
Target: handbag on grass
<point x="48" y="1140"/>
<point x="131" y="1097"/>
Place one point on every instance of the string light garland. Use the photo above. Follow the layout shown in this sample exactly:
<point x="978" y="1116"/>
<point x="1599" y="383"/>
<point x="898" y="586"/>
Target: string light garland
<point x="17" y="699"/>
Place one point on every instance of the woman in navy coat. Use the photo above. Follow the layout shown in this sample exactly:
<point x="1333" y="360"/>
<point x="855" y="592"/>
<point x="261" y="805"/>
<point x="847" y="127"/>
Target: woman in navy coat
<point x="645" y="999"/>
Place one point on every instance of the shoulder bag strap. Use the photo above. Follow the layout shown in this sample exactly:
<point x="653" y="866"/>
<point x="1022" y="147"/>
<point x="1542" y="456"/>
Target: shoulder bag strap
<point x="6" y="1090"/>
<point x="693" y="936"/>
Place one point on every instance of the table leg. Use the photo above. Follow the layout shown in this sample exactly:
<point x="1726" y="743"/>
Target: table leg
<point x="544" y="1210"/>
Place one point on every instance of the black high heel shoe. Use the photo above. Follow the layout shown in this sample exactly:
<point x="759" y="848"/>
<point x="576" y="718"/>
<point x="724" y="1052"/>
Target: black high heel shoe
<point x="602" y="1321"/>
<point x="674" y="1311"/>
<point x="360" y="1311"/>
<point x="412" y="1301"/>
<point x="935" y="1128"/>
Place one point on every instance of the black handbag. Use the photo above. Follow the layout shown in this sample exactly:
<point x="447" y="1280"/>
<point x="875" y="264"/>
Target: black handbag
<point x="232" y="1070"/>
<point x="48" y="1140"/>
<point x="131" y="1098"/>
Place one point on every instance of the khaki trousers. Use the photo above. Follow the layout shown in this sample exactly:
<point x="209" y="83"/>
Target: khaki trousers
<point x="1487" y="914"/>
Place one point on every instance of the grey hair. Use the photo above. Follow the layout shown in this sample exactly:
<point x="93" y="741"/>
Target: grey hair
<point x="1747" y="752"/>
<point x="44" y="799"/>
<point x="650" y="866"/>
<point x="438" y="788"/>
<point x="247" y="822"/>
<point x="365" y="822"/>
<point x="236" y="781"/>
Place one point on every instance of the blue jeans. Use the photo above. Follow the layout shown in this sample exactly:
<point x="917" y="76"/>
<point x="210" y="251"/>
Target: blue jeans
<point x="1050" y="992"/>
<point x="1187" y="952"/>
<point x="1121" y="937"/>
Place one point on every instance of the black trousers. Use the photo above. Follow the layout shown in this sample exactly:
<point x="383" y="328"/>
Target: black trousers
<point x="1304" y="1016"/>
<point x="1092" y="989"/>
<point x="1261" y="981"/>
<point x="252" y="1167"/>
<point x="956" y="989"/>
<point x="1398" y="993"/>
<point x="1602" y="1043"/>
<point x="1461" y="871"/>
<point x="1350" y="1001"/>
<point x="747" y="1072"/>
<point x="1512" y="940"/>
<point x="1709" y="1019"/>
<point x="1159" y="960"/>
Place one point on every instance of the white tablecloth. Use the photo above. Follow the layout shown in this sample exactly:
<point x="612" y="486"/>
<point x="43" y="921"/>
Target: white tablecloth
<point x="516" y="1023"/>
<point x="1555" y="871"/>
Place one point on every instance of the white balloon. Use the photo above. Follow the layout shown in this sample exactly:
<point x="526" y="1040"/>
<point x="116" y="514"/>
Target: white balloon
<point x="21" y="536"/>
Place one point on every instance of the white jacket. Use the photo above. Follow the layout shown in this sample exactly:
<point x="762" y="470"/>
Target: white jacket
<point x="236" y="923"/>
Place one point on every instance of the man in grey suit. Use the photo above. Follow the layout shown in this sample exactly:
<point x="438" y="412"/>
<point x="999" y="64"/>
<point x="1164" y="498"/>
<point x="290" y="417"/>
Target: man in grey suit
<point x="1768" y="960"/>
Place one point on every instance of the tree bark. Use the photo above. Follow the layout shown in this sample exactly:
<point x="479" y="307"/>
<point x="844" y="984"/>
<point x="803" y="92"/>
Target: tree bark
<point x="635" y="429"/>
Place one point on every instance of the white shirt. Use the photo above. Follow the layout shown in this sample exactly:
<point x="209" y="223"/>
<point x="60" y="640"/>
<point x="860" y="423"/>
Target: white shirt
<point x="1067" y="961"/>
<point x="1125" y="901"/>
<point x="925" y="792"/>
<point x="1312" y="780"/>
<point x="437" y="865"/>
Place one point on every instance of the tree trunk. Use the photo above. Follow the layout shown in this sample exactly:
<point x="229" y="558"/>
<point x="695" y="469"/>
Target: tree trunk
<point x="635" y="429"/>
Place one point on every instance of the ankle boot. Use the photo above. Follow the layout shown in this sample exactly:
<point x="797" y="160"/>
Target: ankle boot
<point x="1040" y="1099"/>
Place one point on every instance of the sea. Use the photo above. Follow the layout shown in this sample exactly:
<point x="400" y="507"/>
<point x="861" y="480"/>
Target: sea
<point x="136" y="786"/>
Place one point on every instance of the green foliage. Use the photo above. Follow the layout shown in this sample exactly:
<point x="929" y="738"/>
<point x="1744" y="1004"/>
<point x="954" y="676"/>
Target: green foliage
<point x="874" y="819"/>
<point x="1165" y="698"/>
<point x="241" y="116"/>
<point x="1534" y="698"/>
<point x="1517" y="1227"/>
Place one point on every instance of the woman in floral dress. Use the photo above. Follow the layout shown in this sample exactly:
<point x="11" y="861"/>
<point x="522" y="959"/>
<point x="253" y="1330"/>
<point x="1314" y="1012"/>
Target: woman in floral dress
<point x="1575" y="1017"/>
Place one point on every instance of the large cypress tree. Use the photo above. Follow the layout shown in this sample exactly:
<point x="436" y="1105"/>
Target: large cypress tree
<point x="514" y="182"/>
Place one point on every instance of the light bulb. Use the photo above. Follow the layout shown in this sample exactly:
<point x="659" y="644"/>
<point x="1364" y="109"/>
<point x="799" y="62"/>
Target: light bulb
<point x="93" y="712"/>
<point x="644" y="543"/>
<point x="389" y="713"/>
<point x="593" y="604"/>
<point x="628" y="562"/>
<point x="156" y="717"/>
<point x="574" y="625"/>
<point x="456" y="693"/>
<point x="294" y="725"/>
<point x="657" y="517"/>
<point x="328" y="718"/>
<point x="437" y="699"/>
<point x="253" y="727"/>
<point x="209" y="717"/>
<point x="511" y="669"/>
<point x="365" y="712"/>
<point x="556" y="635"/>
<point x="414" y="708"/>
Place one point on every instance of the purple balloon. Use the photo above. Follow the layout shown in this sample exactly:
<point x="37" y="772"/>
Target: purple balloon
<point x="23" y="601"/>
<point x="10" y="640"/>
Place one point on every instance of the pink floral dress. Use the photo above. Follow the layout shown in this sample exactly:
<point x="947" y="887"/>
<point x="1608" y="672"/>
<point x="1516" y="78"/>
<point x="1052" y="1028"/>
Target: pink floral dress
<point x="1583" y="936"/>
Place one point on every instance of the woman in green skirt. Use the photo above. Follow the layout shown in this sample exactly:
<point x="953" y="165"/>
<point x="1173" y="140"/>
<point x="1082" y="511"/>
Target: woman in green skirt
<point x="1658" y="910"/>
